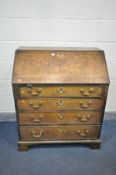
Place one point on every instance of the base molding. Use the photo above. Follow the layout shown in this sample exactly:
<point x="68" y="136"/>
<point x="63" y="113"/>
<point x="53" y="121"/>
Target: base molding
<point x="24" y="145"/>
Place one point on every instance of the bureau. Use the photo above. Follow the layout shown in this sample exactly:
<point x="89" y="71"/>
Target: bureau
<point x="60" y="95"/>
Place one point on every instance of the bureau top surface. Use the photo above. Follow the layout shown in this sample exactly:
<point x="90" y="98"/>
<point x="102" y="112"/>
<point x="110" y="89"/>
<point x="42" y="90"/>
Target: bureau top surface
<point x="54" y="66"/>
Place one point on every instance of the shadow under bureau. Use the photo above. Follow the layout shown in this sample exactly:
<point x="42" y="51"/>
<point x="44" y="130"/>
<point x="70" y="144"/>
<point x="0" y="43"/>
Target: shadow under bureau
<point x="60" y="95"/>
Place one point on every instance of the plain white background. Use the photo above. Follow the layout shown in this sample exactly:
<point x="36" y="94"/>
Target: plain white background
<point x="60" y="23"/>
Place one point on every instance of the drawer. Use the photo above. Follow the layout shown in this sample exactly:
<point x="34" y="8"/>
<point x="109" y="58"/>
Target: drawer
<point x="61" y="91"/>
<point x="59" y="132"/>
<point x="78" y="117"/>
<point x="59" y="104"/>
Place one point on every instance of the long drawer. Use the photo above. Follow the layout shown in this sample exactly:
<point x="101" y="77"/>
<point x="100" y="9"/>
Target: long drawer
<point x="59" y="104"/>
<point x="61" y="91"/>
<point x="61" y="117"/>
<point x="59" y="132"/>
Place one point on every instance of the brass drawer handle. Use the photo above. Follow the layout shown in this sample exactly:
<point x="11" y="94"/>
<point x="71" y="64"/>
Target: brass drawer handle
<point x="22" y="92"/>
<point x="38" y="119"/>
<point x="39" y="90"/>
<point x="84" y="118"/>
<point x="60" y="115"/>
<point x="60" y="54"/>
<point x="61" y="102"/>
<point x="82" y="134"/>
<point x="36" y="106"/>
<point x="86" y="93"/>
<point x="33" y="92"/>
<point x="85" y="104"/>
<point x="53" y="54"/>
<point x="61" y="90"/>
<point x="37" y="135"/>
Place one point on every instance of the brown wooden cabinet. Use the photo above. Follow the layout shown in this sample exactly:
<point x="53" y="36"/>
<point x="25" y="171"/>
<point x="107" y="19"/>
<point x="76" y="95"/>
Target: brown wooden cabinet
<point x="60" y="95"/>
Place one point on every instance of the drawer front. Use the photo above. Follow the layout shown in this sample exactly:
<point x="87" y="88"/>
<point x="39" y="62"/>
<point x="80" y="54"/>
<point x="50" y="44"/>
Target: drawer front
<point x="61" y="91"/>
<point x="59" y="132"/>
<point x="78" y="117"/>
<point x="59" y="104"/>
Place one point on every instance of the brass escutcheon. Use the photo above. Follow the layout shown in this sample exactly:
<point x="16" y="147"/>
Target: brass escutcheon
<point x="60" y="115"/>
<point x="60" y="130"/>
<point x="61" y="102"/>
<point x="61" y="90"/>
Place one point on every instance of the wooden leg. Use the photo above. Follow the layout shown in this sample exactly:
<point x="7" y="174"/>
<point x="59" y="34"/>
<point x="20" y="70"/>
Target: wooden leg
<point x="23" y="147"/>
<point x="95" y="145"/>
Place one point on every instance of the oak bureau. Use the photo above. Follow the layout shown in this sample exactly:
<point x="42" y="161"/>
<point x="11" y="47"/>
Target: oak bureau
<point x="60" y="95"/>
